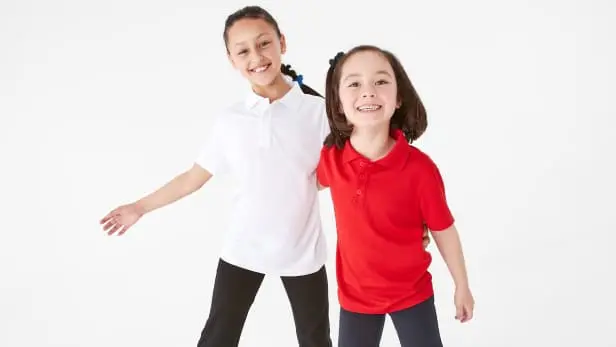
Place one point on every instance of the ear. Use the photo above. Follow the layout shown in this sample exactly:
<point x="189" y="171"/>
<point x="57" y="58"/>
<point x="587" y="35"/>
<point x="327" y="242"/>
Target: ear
<point x="283" y="44"/>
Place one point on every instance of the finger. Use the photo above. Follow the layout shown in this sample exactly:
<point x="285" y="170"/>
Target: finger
<point x="466" y="314"/>
<point x="123" y="230"/>
<point x="459" y="312"/>
<point x="110" y="215"/>
<point x="463" y="317"/>
<point x="106" y="218"/>
<point x="115" y="228"/>
<point x="108" y="225"/>
<point x="469" y="313"/>
<point x="111" y="223"/>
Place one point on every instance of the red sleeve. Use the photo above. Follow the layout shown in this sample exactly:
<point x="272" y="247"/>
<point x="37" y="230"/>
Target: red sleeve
<point x="433" y="202"/>
<point x="322" y="168"/>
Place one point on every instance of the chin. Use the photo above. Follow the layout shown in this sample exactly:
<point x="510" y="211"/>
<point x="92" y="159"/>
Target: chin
<point x="263" y="81"/>
<point x="369" y="120"/>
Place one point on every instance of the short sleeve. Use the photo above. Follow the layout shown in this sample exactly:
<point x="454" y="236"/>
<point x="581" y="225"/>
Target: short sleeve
<point x="325" y="130"/>
<point x="432" y="200"/>
<point x="211" y="156"/>
<point x="322" y="175"/>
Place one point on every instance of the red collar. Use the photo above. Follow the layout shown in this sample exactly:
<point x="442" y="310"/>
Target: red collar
<point x="396" y="158"/>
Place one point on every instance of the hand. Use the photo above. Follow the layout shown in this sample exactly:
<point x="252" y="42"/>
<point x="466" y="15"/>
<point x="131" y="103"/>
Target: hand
<point x="426" y="238"/>
<point x="465" y="304"/>
<point x="121" y="219"/>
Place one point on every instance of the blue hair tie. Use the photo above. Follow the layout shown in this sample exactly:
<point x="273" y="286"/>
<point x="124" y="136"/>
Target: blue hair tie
<point x="299" y="79"/>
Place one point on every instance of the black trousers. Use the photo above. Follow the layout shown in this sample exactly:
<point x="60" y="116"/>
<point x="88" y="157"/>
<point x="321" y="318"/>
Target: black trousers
<point x="235" y="289"/>
<point x="416" y="326"/>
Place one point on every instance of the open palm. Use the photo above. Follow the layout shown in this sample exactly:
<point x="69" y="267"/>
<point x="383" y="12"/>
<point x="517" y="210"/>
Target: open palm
<point x="121" y="219"/>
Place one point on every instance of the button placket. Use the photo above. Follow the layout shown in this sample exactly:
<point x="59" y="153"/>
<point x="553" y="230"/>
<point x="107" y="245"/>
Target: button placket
<point x="265" y="126"/>
<point x="362" y="178"/>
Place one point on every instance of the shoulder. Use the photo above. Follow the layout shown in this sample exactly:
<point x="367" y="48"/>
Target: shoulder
<point x="313" y="103"/>
<point x="330" y="156"/>
<point x="314" y="99"/>
<point x="331" y="152"/>
<point x="425" y="169"/>
<point x="421" y="161"/>
<point x="329" y="163"/>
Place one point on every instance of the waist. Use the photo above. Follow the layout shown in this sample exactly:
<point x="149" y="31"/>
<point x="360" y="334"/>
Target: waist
<point x="374" y="267"/>
<point x="294" y="253"/>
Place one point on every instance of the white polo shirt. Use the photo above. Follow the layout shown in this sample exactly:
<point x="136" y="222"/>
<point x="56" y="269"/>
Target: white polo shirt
<point x="271" y="151"/>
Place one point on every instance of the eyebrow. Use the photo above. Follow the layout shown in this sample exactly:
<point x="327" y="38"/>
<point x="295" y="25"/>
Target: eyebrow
<point x="380" y="72"/>
<point x="256" y="38"/>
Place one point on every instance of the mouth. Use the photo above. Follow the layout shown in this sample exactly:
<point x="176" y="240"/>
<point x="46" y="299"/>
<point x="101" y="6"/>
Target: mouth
<point x="260" y="68"/>
<point x="368" y="108"/>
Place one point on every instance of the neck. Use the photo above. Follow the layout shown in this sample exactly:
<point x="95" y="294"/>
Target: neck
<point x="274" y="91"/>
<point x="372" y="143"/>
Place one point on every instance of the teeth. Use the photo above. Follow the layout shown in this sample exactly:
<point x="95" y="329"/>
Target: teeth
<point x="369" y="107"/>
<point x="260" y="68"/>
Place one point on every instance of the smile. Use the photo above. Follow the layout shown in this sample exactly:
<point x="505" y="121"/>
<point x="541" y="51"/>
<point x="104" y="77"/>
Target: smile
<point x="260" y="68"/>
<point x="368" y="108"/>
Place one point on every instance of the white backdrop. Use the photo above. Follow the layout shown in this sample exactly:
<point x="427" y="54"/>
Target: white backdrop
<point x="104" y="101"/>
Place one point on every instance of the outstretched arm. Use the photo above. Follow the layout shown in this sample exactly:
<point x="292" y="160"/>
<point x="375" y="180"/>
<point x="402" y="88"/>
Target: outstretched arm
<point x="123" y="217"/>
<point x="180" y="186"/>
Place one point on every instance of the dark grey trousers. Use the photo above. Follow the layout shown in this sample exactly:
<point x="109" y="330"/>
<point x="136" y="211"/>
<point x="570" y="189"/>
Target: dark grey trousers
<point x="416" y="327"/>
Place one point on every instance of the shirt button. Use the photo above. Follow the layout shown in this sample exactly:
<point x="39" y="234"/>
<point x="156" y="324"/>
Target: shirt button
<point x="362" y="163"/>
<point x="362" y="176"/>
<point x="358" y="192"/>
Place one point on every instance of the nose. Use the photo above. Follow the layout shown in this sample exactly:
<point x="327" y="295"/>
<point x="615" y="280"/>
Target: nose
<point x="255" y="56"/>
<point x="368" y="92"/>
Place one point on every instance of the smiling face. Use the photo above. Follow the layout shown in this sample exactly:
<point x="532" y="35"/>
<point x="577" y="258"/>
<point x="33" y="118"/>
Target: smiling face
<point x="255" y="50"/>
<point x="368" y="90"/>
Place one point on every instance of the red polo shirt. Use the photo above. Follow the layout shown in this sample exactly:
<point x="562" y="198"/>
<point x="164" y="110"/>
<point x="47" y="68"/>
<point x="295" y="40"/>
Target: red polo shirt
<point x="380" y="209"/>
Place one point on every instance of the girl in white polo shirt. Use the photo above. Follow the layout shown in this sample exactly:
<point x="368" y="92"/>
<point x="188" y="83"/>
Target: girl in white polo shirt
<point x="270" y="143"/>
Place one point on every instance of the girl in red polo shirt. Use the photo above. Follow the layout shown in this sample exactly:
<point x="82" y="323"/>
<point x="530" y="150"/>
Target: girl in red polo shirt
<point x="385" y="192"/>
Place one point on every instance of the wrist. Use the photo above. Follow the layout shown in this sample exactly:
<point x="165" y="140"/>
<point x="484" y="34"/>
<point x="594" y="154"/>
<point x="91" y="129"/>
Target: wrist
<point x="463" y="284"/>
<point x="140" y="208"/>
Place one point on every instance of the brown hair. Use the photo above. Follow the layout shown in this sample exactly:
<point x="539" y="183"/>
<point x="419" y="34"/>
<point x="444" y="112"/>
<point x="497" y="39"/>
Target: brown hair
<point x="410" y="117"/>
<point x="257" y="12"/>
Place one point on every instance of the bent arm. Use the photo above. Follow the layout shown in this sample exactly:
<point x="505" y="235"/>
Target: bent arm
<point x="450" y="247"/>
<point x="180" y="186"/>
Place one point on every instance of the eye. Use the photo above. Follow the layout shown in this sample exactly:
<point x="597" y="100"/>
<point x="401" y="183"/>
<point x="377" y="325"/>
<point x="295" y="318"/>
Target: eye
<point x="381" y="82"/>
<point x="353" y="84"/>
<point x="265" y="43"/>
<point x="242" y="52"/>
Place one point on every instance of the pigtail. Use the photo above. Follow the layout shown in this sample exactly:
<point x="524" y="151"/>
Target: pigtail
<point x="287" y="70"/>
<point x="340" y="130"/>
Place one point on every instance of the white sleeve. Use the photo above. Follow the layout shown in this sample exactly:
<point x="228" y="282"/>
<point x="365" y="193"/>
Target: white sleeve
<point x="212" y="154"/>
<point x="325" y="130"/>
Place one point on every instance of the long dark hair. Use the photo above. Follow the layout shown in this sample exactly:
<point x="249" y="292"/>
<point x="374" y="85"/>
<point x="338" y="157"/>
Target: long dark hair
<point x="257" y="12"/>
<point x="410" y="117"/>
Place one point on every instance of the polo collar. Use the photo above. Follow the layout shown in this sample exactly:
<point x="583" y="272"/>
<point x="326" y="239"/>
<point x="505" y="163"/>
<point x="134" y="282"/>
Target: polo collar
<point x="291" y="99"/>
<point x="396" y="158"/>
